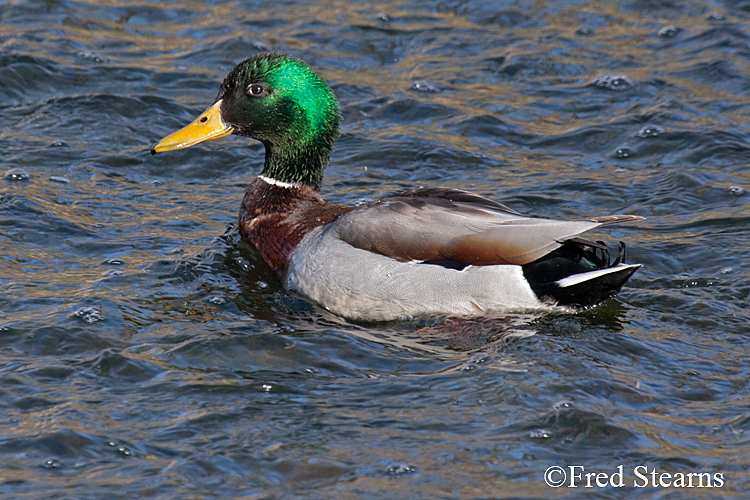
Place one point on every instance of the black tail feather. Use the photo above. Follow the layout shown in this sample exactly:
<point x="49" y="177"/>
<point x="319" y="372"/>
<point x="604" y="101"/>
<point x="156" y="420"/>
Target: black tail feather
<point x="575" y="257"/>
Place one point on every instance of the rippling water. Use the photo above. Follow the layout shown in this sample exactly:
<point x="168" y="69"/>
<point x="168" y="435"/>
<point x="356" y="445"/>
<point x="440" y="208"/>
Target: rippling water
<point x="145" y="352"/>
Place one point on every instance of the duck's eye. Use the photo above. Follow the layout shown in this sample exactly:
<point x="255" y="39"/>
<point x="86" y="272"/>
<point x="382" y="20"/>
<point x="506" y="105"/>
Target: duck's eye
<point x="255" y="90"/>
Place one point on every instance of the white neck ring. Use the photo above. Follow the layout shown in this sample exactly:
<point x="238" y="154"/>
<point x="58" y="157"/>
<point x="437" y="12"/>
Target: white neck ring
<point x="274" y="182"/>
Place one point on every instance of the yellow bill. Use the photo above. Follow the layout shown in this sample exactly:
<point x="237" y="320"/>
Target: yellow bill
<point x="208" y="126"/>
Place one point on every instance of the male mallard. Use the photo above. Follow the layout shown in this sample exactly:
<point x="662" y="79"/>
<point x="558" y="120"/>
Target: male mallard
<point x="429" y="251"/>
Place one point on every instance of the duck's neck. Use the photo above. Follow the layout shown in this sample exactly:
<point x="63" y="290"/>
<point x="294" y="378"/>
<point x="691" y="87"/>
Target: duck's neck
<point x="296" y="167"/>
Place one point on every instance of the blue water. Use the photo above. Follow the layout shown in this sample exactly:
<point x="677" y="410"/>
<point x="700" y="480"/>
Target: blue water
<point x="146" y="352"/>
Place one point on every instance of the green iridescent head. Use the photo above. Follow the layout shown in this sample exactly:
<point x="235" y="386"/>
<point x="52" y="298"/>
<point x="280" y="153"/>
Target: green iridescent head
<point x="280" y="101"/>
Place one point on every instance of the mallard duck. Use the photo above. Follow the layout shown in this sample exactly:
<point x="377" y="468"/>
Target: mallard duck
<point x="428" y="251"/>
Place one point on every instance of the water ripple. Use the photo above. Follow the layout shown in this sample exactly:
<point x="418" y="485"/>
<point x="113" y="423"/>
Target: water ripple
<point x="141" y="340"/>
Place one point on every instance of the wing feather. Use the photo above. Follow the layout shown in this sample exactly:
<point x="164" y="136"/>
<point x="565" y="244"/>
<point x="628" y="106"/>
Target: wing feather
<point x="433" y="224"/>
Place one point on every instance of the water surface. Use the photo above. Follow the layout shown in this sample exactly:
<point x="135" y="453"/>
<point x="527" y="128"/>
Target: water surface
<point x="146" y="352"/>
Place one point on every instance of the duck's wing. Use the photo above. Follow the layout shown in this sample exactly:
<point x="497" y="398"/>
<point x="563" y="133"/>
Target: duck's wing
<point x="446" y="225"/>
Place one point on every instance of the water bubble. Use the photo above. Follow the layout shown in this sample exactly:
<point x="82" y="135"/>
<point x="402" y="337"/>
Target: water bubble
<point x="52" y="463"/>
<point x="90" y="56"/>
<point x="650" y="131"/>
<point x="243" y="264"/>
<point x="584" y="31"/>
<point x="217" y="300"/>
<point x="479" y="358"/>
<point x="618" y="83"/>
<point x="623" y="152"/>
<point x="562" y="405"/>
<point x="727" y="270"/>
<point x="60" y="179"/>
<point x="736" y="190"/>
<point x="669" y="31"/>
<point x="267" y="387"/>
<point x="385" y="17"/>
<point x="716" y="16"/>
<point x="541" y="434"/>
<point x="17" y="175"/>
<point x="397" y="470"/>
<point x="426" y="87"/>
<point x="114" y="262"/>
<point x="469" y="367"/>
<point x="121" y="449"/>
<point x="89" y="315"/>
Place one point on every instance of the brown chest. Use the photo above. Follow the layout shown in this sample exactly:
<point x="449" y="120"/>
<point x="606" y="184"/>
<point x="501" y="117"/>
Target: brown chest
<point x="274" y="236"/>
<point x="275" y="219"/>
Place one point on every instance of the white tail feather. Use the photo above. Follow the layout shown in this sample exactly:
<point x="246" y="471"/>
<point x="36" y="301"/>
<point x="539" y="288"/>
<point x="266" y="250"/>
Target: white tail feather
<point x="580" y="278"/>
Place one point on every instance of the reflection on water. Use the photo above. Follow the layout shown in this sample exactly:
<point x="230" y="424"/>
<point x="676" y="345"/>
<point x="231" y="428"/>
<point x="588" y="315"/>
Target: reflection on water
<point x="145" y="349"/>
